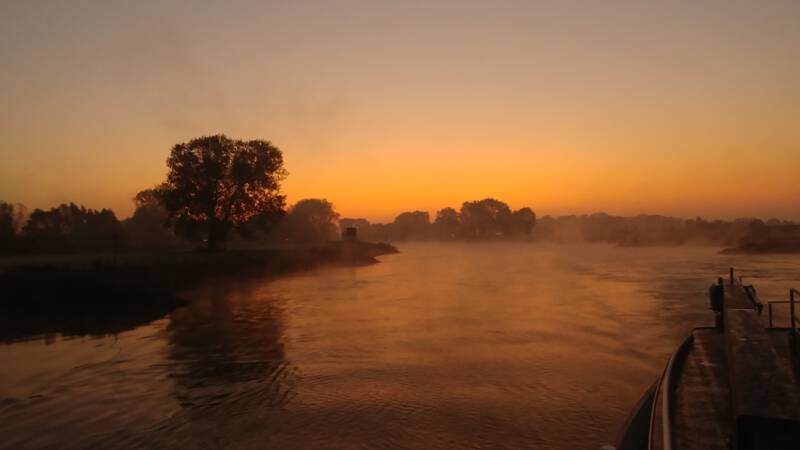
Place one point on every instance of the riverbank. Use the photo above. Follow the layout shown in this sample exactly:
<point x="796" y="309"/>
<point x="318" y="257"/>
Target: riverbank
<point x="778" y="248"/>
<point x="782" y="239"/>
<point x="84" y="294"/>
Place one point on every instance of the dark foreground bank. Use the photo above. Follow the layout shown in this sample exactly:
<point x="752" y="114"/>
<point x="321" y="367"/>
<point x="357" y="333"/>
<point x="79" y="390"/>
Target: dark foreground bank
<point x="83" y="295"/>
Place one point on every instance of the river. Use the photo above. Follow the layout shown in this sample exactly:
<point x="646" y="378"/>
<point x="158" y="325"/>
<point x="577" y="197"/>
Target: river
<point x="439" y="346"/>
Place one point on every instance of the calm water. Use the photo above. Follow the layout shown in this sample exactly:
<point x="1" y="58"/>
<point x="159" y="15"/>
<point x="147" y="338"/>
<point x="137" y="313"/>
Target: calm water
<point x="441" y="346"/>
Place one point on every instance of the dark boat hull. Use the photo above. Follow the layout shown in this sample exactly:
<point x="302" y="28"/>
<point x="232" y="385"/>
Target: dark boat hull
<point x="635" y="434"/>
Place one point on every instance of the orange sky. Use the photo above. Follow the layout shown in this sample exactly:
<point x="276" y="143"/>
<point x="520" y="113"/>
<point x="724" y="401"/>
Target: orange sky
<point x="625" y="107"/>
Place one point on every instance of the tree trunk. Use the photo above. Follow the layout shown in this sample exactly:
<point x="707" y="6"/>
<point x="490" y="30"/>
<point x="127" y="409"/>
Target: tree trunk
<point x="213" y="235"/>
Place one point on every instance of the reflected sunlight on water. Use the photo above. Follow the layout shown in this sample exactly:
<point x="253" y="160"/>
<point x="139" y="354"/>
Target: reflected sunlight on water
<point x="441" y="346"/>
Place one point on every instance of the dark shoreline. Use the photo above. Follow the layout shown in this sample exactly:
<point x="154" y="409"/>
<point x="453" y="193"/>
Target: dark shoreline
<point x="104" y="295"/>
<point x="766" y="249"/>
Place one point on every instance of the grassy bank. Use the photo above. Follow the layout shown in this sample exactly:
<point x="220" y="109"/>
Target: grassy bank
<point x="85" y="294"/>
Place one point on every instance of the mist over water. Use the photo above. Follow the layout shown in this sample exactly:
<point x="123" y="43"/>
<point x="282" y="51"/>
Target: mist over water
<point x="495" y="345"/>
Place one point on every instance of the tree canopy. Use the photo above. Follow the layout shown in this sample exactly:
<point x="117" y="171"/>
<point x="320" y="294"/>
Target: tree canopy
<point x="523" y="221"/>
<point x="216" y="183"/>
<point x="8" y="227"/>
<point x="69" y="227"/>
<point x="412" y="225"/>
<point x="148" y="226"/>
<point x="485" y="218"/>
<point x="311" y="220"/>
<point x="447" y="223"/>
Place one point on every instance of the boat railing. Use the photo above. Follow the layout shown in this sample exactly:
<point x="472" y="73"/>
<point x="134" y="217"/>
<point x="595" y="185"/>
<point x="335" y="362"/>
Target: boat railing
<point x="749" y="290"/>
<point x="794" y="321"/>
<point x="667" y="386"/>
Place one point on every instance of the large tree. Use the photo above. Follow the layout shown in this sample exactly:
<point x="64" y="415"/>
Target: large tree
<point x="446" y="224"/>
<point x="487" y="218"/>
<point x="311" y="220"/>
<point x="216" y="183"/>
<point x="523" y="221"/>
<point x="412" y="225"/>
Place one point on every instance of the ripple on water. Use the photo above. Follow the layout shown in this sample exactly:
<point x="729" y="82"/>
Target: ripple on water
<point x="441" y="346"/>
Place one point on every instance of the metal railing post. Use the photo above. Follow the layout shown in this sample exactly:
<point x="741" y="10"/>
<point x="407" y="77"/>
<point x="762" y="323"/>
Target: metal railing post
<point x="769" y="306"/>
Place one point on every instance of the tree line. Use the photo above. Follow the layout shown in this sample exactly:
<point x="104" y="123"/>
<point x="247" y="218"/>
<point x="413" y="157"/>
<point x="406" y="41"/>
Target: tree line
<point x="487" y="219"/>
<point x="222" y="191"/>
<point x="217" y="190"/>
<point x="475" y="222"/>
<point x="648" y="229"/>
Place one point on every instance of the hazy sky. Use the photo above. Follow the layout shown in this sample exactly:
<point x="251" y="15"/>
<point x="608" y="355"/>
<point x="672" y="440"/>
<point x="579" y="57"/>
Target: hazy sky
<point x="683" y="108"/>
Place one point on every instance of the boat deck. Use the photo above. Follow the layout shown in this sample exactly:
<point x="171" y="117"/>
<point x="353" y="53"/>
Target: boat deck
<point x="736" y="385"/>
<point x="701" y="402"/>
<point x="702" y="407"/>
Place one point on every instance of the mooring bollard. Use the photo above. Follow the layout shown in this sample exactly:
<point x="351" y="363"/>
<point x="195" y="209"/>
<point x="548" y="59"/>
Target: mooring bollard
<point x="716" y="297"/>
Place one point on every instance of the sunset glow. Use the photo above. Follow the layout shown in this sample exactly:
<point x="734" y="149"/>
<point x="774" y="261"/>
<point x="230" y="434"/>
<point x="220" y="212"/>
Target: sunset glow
<point x="383" y="107"/>
<point x="404" y="224"/>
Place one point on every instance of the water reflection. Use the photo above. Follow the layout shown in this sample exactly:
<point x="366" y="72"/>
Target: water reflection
<point x="441" y="346"/>
<point x="226" y="348"/>
<point x="76" y="319"/>
<point x="221" y="360"/>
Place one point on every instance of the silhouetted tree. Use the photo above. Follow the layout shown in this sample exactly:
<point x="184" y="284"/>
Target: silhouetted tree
<point x="485" y="218"/>
<point x="8" y="230"/>
<point x="446" y="225"/>
<point x="412" y="225"/>
<point x="148" y="226"/>
<point x="779" y="237"/>
<point x="72" y="228"/>
<point x="149" y="202"/>
<point x="19" y="215"/>
<point x="647" y="229"/>
<point x="216" y="183"/>
<point x="311" y="220"/>
<point x="261" y="225"/>
<point x="379" y="232"/>
<point x="523" y="221"/>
